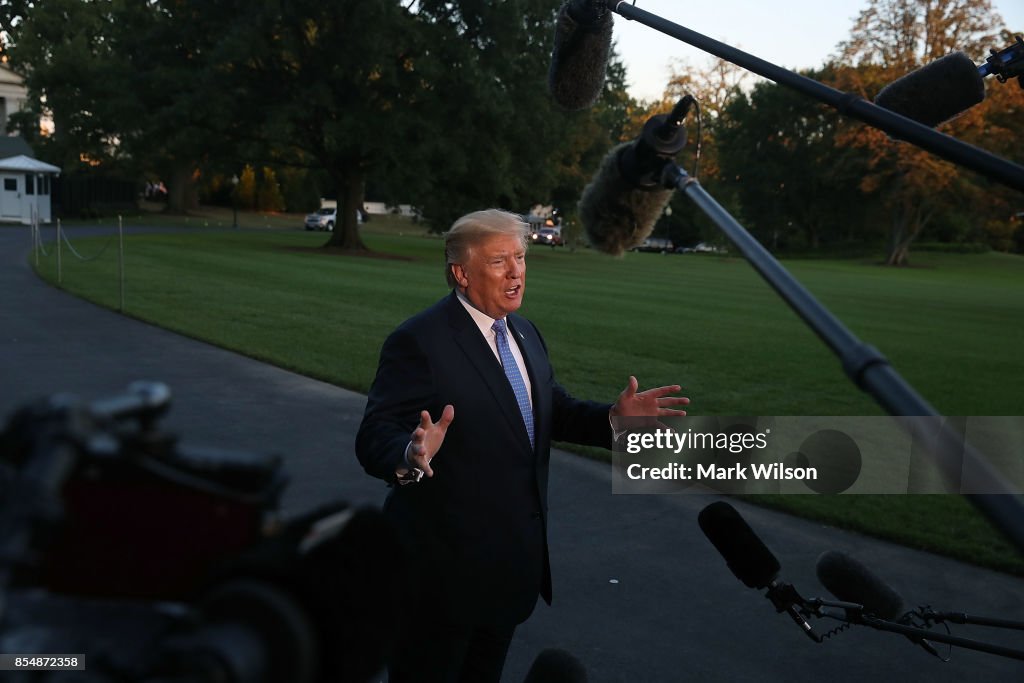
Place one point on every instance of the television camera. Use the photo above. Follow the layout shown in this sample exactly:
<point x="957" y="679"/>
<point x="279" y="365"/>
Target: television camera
<point x="155" y="562"/>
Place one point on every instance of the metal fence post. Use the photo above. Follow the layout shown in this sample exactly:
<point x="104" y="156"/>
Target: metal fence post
<point x="59" y="272"/>
<point x="120" y="261"/>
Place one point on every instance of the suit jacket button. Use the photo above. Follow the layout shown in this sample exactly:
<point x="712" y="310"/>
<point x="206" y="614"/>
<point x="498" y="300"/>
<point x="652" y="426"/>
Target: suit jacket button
<point x="535" y="515"/>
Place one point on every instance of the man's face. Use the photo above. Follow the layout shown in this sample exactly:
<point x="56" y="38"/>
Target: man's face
<point x="494" y="275"/>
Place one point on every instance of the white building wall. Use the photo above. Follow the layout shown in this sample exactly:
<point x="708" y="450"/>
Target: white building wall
<point x="13" y="95"/>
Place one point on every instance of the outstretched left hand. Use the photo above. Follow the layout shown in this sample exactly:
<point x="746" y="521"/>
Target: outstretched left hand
<point x="650" y="403"/>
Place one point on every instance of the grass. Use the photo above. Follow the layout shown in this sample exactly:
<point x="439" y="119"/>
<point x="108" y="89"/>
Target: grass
<point x="953" y="325"/>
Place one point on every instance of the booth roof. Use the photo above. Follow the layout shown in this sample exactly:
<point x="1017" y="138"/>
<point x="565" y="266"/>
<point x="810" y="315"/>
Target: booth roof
<point x="24" y="164"/>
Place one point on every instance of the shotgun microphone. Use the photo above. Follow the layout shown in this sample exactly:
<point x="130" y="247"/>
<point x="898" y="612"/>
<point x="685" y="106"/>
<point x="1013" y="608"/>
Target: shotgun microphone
<point x="579" y="59"/>
<point x="622" y="203"/>
<point x="950" y="85"/>
<point x="850" y="581"/>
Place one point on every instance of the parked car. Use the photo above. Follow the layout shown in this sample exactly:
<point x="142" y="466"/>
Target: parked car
<point x="656" y="244"/>
<point x="702" y="248"/>
<point x="550" y="236"/>
<point x="325" y="218"/>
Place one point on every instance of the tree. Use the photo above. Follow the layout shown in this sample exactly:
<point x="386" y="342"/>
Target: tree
<point x="441" y="103"/>
<point x="244" y="193"/>
<point x="778" y="150"/>
<point x="505" y="142"/>
<point x="904" y="34"/>
<point x="995" y="125"/>
<point x="341" y="86"/>
<point x="171" y="110"/>
<point x="59" y="47"/>
<point x="890" y="38"/>
<point x="128" y="84"/>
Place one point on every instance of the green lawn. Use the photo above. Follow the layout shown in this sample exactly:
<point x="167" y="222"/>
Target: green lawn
<point x="953" y="325"/>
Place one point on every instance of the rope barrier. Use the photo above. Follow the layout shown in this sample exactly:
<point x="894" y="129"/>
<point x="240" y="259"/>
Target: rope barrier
<point x="83" y="258"/>
<point x="37" y="246"/>
<point x="37" y="241"/>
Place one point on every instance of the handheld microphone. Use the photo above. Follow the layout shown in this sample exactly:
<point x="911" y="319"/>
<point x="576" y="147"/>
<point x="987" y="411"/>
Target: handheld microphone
<point x="622" y="203"/>
<point x="579" y="59"/>
<point x="950" y="85"/>
<point x="556" y="666"/>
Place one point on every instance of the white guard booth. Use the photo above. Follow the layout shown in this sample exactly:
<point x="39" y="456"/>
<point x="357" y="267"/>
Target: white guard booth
<point x="25" y="187"/>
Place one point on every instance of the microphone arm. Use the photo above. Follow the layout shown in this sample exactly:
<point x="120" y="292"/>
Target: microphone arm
<point x="849" y="104"/>
<point x="868" y="369"/>
<point x="960" y="618"/>
<point x="914" y="632"/>
<point x="854" y="614"/>
<point x="1006" y="63"/>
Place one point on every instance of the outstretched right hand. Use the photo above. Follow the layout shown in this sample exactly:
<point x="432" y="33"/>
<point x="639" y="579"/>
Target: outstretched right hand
<point x="427" y="438"/>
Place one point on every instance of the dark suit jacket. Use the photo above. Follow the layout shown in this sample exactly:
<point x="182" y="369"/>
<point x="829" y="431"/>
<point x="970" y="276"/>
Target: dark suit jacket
<point x="477" y="529"/>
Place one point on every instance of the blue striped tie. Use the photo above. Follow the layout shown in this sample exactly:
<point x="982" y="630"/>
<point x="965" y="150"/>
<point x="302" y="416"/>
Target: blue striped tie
<point x="508" y="362"/>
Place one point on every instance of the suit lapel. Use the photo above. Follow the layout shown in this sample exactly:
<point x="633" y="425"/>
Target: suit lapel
<point x="473" y="345"/>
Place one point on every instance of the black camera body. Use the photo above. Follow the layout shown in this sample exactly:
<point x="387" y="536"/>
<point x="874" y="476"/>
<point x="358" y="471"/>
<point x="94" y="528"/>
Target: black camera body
<point x="161" y="563"/>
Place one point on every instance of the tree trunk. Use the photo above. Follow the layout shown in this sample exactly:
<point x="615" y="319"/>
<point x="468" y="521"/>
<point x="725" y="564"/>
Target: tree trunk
<point x="351" y="188"/>
<point x="181" y="188"/>
<point x="898" y="255"/>
<point x="811" y="233"/>
<point x="907" y="225"/>
<point x="898" y="240"/>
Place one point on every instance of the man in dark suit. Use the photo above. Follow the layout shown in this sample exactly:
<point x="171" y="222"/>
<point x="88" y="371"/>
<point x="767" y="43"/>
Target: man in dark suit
<point x="475" y="519"/>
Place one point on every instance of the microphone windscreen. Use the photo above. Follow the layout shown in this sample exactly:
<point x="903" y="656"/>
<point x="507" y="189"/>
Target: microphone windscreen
<point x="556" y="666"/>
<point x="579" y="60"/>
<point x="616" y="215"/>
<point x="850" y="581"/>
<point x="747" y="556"/>
<point x="936" y="92"/>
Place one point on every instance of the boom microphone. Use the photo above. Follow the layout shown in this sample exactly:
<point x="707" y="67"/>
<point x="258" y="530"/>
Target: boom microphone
<point x="850" y="581"/>
<point x="579" y="59"/>
<point x="556" y="666"/>
<point x="936" y="92"/>
<point x="949" y="86"/>
<point x="747" y="556"/>
<point x="622" y="203"/>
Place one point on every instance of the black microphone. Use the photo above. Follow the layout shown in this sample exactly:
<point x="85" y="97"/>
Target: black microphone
<point x="750" y="560"/>
<point x="850" y="581"/>
<point x="745" y="554"/>
<point x="949" y="86"/>
<point x="622" y="203"/>
<point x="556" y="666"/>
<point x="579" y="59"/>
<point x="936" y="92"/>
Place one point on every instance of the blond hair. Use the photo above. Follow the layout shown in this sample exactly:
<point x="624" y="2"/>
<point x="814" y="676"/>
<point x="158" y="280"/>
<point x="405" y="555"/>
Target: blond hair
<point x="472" y="228"/>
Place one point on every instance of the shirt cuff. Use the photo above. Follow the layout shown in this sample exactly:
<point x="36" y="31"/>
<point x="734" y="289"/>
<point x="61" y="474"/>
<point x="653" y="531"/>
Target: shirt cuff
<point x="616" y="433"/>
<point x="407" y="472"/>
